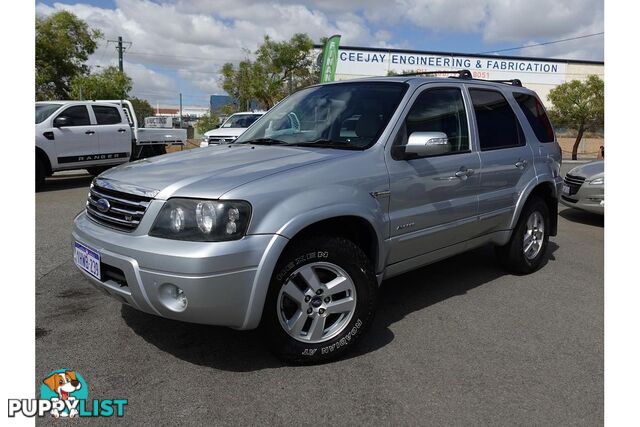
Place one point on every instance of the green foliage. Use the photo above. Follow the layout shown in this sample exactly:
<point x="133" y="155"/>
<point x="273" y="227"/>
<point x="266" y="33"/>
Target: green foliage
<point x="578" y="105"/>
<point x="280" y="68"/>
<point x="110" y="83"/>
<point x="142" y="109"/>
<point x="206" y="123"/>
<point x="63" y="44"/>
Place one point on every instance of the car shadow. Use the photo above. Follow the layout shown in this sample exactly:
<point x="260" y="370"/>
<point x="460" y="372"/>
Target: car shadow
<point x="244" y="351"/>
<point x="582" y="217"/>
<point x="66" y="182"/>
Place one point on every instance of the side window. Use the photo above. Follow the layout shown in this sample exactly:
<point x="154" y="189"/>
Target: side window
<point x="106" y="115"/>
<point x="498" y="126"/>
<point x="440" y="110"/>
<point x="78" y="115"/>
<point x="536" y="116"/>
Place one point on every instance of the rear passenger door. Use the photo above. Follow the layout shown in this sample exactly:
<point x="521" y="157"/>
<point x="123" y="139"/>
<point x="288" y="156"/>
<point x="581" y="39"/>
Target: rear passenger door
<point x="505" y="156"/>
<point x="113" y="131"/>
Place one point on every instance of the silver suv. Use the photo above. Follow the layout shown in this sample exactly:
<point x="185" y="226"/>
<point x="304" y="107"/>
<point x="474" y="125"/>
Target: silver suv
<point x="293" y="228"/>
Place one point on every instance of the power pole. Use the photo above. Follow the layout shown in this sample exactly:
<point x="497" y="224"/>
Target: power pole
<point x="121" y="46"/>
<point x="120" y="52"/>
<point x="180" y="110"/>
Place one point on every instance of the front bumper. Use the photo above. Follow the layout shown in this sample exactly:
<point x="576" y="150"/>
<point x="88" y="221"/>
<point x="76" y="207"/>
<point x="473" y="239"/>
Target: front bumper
<point x="225" y="282"/>
<point x="589" y="198"/>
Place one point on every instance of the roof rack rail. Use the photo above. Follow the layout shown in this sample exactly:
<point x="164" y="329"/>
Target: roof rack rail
<point x="463" y="74"/>
<point x="513" y="82"/>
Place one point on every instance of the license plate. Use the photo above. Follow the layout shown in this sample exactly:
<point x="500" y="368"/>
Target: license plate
<point x="566" y="189"/>
<point x="87" y="259"/>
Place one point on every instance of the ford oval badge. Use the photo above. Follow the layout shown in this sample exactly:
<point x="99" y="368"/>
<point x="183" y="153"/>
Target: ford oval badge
<point x="103" y="205"/>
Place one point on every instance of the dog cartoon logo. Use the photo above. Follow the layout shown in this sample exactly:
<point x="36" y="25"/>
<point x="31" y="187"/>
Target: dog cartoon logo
<point x="65" y="386"/>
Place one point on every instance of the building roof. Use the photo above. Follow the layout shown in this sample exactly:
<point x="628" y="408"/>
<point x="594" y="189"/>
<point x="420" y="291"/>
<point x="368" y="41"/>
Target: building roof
<point x="478" y="55"/>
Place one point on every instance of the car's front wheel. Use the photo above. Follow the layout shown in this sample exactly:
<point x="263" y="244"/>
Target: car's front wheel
<point x="321" y="300"/>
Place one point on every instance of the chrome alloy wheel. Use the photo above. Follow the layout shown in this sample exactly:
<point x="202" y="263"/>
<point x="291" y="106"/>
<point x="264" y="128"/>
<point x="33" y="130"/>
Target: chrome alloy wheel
<point x="533" y="235"/>
<point x="316" y="302"/>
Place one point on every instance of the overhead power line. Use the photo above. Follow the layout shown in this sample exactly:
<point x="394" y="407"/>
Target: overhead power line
<point x="544" y="44"/>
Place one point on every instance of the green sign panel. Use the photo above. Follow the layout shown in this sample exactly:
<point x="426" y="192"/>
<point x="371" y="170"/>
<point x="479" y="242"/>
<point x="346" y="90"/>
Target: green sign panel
<point x="330" y="59"/>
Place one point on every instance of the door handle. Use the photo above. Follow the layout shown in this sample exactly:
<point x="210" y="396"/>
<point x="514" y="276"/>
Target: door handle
<point x="122" y="130"/>
<point x="521" y="164"/>
<point x="90" y="132"/>
<point x="464" y="173"/>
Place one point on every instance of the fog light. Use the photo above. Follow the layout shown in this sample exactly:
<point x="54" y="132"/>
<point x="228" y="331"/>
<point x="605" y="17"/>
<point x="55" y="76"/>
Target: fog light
<point x="173" y="297"/>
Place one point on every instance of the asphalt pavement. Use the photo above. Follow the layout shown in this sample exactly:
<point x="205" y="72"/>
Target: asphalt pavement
<point x="459" y="342"/>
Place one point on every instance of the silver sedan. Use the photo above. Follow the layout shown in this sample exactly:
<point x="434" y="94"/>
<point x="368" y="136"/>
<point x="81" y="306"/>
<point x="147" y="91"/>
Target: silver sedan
<point x="584" y="188"/>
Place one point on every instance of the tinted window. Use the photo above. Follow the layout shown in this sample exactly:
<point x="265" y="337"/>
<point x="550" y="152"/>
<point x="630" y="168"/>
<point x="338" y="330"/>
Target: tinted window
<point x="498" y="126"/>
<point x="106" y="115"/>
<point x="441" y="110"/>
<point x="77" y="115"/>
<point x="536" y="116"/>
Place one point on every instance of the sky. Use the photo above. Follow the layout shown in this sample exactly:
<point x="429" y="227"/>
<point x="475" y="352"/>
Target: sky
<point x="179" y="46"/>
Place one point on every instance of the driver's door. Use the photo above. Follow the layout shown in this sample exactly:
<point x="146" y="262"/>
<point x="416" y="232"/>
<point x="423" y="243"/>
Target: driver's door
<point x="77" y="142"/>
<point x="433" y="200"/>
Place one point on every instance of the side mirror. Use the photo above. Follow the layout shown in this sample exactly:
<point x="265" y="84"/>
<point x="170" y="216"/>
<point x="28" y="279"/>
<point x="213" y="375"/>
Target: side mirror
<point x="422" y="144"/>
<point x="61" y="121"/>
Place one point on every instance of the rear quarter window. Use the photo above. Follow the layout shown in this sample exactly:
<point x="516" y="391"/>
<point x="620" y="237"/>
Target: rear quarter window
<point x="536" y="116"/>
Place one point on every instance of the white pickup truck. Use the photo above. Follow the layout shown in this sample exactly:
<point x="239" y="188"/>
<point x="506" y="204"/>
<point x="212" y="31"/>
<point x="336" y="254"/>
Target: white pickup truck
<point x="94" y="135"/>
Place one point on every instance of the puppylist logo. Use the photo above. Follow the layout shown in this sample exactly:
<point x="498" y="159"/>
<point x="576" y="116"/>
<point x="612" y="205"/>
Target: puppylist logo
<point x="64" y="394"/>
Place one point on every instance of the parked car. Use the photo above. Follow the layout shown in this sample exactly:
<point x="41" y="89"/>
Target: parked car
<point x="584" y="188"/>
<point x="293" y="229"/>
<point x="94" y="135"/>
<point x="231" y="128"/>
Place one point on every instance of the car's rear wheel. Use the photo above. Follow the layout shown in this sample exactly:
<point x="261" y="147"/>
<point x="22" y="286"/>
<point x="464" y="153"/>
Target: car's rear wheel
<point x="526" y="248"/>
<point x="321" y="300"/>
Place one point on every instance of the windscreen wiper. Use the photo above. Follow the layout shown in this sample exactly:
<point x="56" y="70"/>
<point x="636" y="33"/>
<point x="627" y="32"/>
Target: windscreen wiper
<point x="328" y="143"/>
<point x="264" y="141"/>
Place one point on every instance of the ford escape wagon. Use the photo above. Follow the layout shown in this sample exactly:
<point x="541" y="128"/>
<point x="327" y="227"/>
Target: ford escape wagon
<point x="293" y="228"/>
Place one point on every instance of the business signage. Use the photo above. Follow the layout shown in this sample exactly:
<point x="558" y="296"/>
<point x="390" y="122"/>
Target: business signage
<point x="352" y="62"/>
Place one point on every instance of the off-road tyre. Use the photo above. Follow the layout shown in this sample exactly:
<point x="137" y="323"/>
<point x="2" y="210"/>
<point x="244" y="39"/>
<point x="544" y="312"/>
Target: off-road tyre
<point x="316" y="250"/>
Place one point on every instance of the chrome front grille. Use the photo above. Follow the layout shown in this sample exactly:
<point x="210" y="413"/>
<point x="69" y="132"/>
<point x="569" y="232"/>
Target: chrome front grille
<point x="221" y="139"/>
<point x="574" y="183"/>
<point x="116" y="209"/>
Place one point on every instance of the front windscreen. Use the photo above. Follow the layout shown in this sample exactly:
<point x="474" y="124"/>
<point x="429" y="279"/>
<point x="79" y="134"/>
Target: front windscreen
<point x="241" y="120"/>
<point x="45" y="110"/>
<point x="343" y="115"/>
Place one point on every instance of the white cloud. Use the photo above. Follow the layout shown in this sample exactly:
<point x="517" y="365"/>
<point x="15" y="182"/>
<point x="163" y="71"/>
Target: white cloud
<point x="191" y="39"/>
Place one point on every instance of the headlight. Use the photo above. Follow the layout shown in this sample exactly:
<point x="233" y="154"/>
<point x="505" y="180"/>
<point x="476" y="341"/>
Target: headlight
<point x="202" y="220"/>
<point x="597" y="181"/>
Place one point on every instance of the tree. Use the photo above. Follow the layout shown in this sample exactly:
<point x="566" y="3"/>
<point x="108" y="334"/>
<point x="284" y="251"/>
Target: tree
<point x="239" y="83"/>
<point x="63" y="45"/>
<point x="206" y="123"/>
<point x="110" y="83"/>
<point x="578" y="105"/>
<point x="280" y="68"/>
<point x="142" y="109"/>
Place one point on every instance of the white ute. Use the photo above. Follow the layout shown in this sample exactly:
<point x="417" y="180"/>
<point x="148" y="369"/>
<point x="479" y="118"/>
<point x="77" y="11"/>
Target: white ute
<point x="94" y="135"/>
<point x="233" y="127"/>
